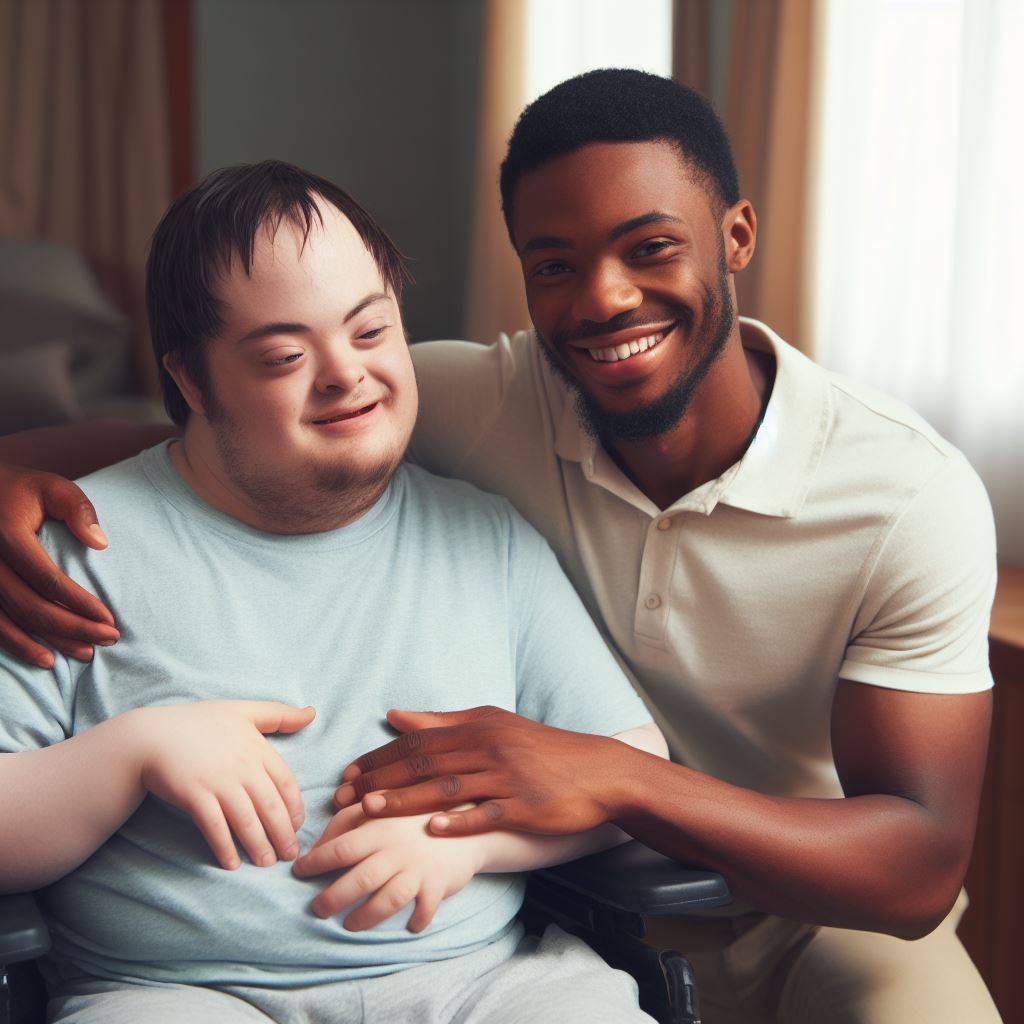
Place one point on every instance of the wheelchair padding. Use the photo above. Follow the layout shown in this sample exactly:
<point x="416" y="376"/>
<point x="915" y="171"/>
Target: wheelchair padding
<point x="634" y="878"/>
<point x="23" y="933"/>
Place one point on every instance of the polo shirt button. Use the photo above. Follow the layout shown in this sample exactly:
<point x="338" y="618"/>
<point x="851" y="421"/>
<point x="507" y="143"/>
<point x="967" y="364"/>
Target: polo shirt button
<point x="652" y="601"/>
<point x="665" y="524"/>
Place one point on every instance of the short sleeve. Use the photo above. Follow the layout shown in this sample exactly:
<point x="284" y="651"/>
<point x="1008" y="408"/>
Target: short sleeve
<point x="34" y="709"/>
<point x="565" y="674"/>
<point x="923" y="621"/>
<point x="462" y="387"/>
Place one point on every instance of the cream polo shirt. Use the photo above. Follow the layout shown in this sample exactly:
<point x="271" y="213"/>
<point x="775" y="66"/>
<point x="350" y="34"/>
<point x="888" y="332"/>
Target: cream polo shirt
<point x="849" y="542"/>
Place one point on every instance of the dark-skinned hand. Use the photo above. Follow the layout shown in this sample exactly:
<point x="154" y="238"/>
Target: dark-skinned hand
<point x="37" y="600"/>
<point x="521" y="775"/>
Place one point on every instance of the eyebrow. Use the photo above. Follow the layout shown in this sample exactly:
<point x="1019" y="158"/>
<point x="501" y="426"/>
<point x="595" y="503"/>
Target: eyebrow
<point x="555" y="242"/>
<point x="281" y="327"/>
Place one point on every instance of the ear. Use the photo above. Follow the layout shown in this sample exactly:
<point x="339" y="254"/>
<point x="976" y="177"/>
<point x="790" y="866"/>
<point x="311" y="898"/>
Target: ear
<point x="739" y="231"/>
<point x="187" y="386"/>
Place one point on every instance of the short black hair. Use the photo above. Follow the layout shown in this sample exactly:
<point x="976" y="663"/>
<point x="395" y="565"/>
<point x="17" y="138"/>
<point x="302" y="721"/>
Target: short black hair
<point x="212" y="223"/>
<point x="620" y="105"/>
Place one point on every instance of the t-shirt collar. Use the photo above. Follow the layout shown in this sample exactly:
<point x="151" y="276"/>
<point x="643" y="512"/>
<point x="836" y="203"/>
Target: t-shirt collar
<point x="774" y="474"/>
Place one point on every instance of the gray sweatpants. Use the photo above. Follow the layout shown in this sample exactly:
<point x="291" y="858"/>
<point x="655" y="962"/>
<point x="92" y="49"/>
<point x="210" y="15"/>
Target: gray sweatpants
<point x="556" y="979"/>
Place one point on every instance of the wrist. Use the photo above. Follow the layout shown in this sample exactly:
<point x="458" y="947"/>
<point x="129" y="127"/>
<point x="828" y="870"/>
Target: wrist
<point x="629" y="781"/>
<point x="130" y="737"/>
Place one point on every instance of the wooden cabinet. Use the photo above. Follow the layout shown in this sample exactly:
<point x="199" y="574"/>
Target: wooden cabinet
<point x="993" y="927"/>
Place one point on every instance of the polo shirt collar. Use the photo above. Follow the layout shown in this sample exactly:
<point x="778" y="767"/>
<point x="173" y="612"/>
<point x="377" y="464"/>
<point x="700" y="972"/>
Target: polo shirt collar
<point x="774" y="474"/>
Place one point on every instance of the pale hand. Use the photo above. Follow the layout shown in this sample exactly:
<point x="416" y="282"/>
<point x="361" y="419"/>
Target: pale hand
<point x="393" y="861"/>
<point x="212" y="761"/>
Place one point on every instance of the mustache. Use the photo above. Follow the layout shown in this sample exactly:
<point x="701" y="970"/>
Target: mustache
<point x="586" y="329"/>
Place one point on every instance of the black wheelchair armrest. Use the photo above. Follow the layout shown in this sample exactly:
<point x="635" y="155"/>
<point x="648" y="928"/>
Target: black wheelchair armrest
<point x="637" y="880"/>
<point x="23" y="933"/>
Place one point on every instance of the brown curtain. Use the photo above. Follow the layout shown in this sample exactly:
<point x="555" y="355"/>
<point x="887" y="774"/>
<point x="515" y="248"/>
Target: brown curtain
<point x="768" y="112"/>
<point x="84" y="136"/>
<point x="494" y="298"/>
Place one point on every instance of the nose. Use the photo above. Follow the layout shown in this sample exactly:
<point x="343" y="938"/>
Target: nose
<point x="339" y="369"/>
<point x="605" y="293"/>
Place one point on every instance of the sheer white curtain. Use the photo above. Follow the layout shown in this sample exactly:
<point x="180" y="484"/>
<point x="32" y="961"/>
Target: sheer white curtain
<point x="919" y="221"/>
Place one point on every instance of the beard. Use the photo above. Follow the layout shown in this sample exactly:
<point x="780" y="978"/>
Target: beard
<point x="666" y="412"/>
<point x="312" y="497"/>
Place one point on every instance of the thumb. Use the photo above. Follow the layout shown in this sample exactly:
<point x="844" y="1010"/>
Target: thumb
<point x="271" y="716"/>
<point x="66" y="501"/>
<point x="408" y="721"/>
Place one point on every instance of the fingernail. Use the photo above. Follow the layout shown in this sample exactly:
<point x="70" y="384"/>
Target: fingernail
<point x="298" y="819"/>
<point x="97" y="531"/>
<point x="234" y="863"/>
<point x="374" y="802"/>
<point x="440" y="822"/>
<point x="267" y="860"/>
<point x="344" y="795"/>
<point x="351" y="772"/>
<point x="109" y="642"/>
<point x="45" y="661"/>
<point x="291" y="851"/>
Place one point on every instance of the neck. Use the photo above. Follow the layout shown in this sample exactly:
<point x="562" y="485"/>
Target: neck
<point x="285" y="508"/>
<point x="712" y="435"/>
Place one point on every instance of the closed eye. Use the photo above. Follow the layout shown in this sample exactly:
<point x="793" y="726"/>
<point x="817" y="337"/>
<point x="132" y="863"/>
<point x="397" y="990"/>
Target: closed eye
<point x="284" y="360"/>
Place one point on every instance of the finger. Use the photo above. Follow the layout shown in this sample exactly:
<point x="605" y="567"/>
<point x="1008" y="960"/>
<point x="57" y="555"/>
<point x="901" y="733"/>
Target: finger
<point x="37" y="614"/>
<point x="387" y="901"/>
<point x="436" y="795"/>
<point x="342" y="822"/>
<point x="426" y="741"/>
<point x="427" y="903"/>
<point x="206" y="812"/>
<point x="278" y="770"/>
<point x="65" y="500"/>
<point x="69" y="648"/>
<point x="27" y="557"/>
<point x="418" y="767"/>
<point x="273" y="815"/>
<point x="246" y="825"/>
<point x="334" y="854"/>
<point x="404" y="721"/>
<point x="365" y="878"/>
<point x="17" y="643"/>
<point x="484" y="818"/>
<point x="271" y="716"/>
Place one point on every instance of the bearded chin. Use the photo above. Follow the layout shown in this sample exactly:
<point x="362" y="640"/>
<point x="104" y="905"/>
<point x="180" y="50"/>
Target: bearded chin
<point x="307" y="498"/>
<point x="665" y="413"/>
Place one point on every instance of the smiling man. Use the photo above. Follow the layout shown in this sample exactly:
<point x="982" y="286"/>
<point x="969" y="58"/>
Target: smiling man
<point x="796" y="571"/>
<point x="280" y="551"/>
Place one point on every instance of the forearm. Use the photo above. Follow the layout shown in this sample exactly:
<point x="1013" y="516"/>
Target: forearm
<point x="80" y="448"/>
<point x="869" y="862"/>
<point x="61" y="803"/>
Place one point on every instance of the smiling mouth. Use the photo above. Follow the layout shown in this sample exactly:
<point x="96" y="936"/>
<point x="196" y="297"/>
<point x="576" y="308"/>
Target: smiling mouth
<point x="347" y="415"/>
<point x="618" y="353"/>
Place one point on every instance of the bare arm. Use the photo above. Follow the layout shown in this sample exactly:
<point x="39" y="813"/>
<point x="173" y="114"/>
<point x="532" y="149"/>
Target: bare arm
<point x="80" y="448"/>
<point x="890" y="857"/>
<point x="60" y="803"/>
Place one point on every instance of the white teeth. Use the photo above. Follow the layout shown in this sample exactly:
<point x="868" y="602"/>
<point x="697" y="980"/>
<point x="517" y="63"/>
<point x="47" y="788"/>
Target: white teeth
<point x="615" y="353"/>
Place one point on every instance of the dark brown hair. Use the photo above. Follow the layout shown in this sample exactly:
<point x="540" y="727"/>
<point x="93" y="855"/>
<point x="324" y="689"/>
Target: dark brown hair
<point x="216" y="221"/>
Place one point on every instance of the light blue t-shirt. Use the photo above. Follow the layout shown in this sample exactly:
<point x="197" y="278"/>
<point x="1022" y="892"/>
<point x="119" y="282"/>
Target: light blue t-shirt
<point x="440" y="597"/>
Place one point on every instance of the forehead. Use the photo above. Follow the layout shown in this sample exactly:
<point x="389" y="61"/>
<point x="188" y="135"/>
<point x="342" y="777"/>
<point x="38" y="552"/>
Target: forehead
<point x="328" y="269"/>
<point x="604" y="184"/>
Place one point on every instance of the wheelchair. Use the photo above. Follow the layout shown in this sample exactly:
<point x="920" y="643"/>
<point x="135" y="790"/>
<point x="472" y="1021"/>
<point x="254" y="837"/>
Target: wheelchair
<point x="603" y="899"/>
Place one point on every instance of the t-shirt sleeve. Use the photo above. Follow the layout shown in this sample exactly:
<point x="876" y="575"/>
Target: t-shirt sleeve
<point x="34" y="709"/>
<point x="565" y="674"/>
<point x="462" y="387"/>
<point x="923" y="621"/>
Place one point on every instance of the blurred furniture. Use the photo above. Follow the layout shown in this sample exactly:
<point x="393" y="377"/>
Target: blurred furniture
<point x="65" y="351"/>
<point x="602" y="898"/>
<point x="993" y="927"/>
